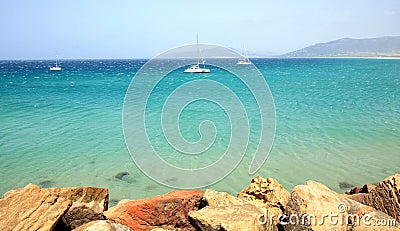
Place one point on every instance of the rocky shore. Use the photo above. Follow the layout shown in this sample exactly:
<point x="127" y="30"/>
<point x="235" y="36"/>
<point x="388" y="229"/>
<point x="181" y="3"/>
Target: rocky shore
<point x="263" y="205"/>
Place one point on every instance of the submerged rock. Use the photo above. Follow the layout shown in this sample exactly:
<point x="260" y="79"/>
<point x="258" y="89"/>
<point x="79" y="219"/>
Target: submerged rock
<point x="167" y="211"/>
<point x="46" y="183"/>
<point x="36" y="208"/>
<point x="345" y="185"/>
<point x="121" y="175"/>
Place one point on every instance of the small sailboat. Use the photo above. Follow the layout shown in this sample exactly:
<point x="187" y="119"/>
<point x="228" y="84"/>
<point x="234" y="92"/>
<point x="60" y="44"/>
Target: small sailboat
<point x="195" y="68"/>
<point x="244" y="60"/>
<point x="57" y="66"/>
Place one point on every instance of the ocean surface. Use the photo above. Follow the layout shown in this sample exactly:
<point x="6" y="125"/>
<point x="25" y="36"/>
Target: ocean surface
<point x="337" y="122"/>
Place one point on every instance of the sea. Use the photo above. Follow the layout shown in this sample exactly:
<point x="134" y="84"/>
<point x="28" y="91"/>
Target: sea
<point x="337" y="122"/>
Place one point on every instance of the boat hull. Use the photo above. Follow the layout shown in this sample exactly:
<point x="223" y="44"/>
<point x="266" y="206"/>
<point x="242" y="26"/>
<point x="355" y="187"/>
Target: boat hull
<point x="55" y="68"/>
<point x="200" y="70"/>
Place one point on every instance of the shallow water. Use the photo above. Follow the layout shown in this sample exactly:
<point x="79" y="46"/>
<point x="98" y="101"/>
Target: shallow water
<point x="338" y="120"/>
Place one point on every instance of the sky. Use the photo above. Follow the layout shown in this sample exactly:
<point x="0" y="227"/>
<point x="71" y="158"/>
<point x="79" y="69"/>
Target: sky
<point x="124" y="29"/>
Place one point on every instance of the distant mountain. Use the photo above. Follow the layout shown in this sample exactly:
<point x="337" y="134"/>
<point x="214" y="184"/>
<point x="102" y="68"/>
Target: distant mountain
<point x="261" y="54"/>
<point x="257" y="54"/>
<point x="348" y="47"/>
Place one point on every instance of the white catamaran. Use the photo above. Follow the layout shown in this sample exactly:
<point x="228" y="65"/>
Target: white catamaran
<point x="244" y="60"/>
<point x="57" y="66"/>
<point x="195" y="68"/>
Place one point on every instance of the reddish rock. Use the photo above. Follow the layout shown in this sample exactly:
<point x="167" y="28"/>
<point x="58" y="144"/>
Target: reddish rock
<point x="169" y="211"/>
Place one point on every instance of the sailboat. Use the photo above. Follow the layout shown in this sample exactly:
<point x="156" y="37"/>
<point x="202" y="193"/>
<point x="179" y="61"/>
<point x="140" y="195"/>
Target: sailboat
<point x="57" y="66"/>
<point x="195" y="68"/>
<point x="244" y="60"/>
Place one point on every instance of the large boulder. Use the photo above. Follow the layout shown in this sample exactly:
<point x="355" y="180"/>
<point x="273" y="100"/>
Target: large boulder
<point x="314" y="206"/>
<point x="266" y="193"/>
<point x="169" y="211"/>
<point x="385" y="196"/>
<point x="225" y="212"/>
<point x="36" y="208"/>
<point x="88" y="204"/>
<point x="102" y="225"/>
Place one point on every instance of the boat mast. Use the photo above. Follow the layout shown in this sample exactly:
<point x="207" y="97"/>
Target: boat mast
<point x="245" y="54"/>
<point x="200" y="55"/>
<point x="198" y="50"/>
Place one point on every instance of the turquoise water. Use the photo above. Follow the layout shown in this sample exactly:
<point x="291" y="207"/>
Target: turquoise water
<point x="338" y="120"/>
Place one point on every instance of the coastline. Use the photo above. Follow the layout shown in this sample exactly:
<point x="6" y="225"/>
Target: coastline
<point x="340" y="57"/>
<point x="263" y="205"/>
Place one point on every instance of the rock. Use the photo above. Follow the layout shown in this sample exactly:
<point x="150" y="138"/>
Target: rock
<point x="102" y="225"/>
<point x="88" y="204"/>
<point x="225" y="212"/>
<point x="368" y="188"/>
<point x="266" y="193"/>
<point x="31" y="208"/>
<point x="359" y="197"/>
<point x="365" y="189"/>
<point x="46" y="183"/>
<point x="358" y="193"/>
<point x="354" y="191"/>
<point x="161" y="229"/>
<point x="167" y="211"/>
<point x="215" y="199"/>
<point x="121" y="175"/>
<point x="312" y="204"/>
<point x="36" y="208"/>
<point x="385" y="196"/>
<point x="345" y="185"/>
<point x="78" y="216"/>
<point x="235" y="218"/>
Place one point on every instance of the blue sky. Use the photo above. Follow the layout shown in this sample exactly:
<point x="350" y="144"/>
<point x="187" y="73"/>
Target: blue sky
<point x="142" y="29"/>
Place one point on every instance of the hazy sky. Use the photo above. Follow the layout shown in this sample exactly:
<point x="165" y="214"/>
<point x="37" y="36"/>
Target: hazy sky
<point x="135" y="29"/>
